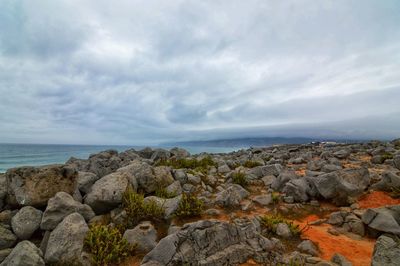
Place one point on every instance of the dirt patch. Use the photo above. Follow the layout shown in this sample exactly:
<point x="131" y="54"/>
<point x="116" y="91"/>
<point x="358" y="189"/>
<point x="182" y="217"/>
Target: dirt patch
<point x="377" y="199"/>
<point x="359" y="252"/>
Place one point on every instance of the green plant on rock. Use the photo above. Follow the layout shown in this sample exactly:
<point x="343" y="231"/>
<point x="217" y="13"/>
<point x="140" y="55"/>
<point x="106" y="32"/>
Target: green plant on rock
<point x="387" y="156"/>
<point x="106" y="245"/>
<point x="138" y="210"/>
<point x="239" y="178"/>
<point x="275" y="197"/>
<point x="270" y="221"/>
<point x="162" y="192"/>
<point x="189" y="206"/>
<point x="251" y="164"/>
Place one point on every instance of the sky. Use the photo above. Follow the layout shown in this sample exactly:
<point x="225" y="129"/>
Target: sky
<point x="145" y="72"/>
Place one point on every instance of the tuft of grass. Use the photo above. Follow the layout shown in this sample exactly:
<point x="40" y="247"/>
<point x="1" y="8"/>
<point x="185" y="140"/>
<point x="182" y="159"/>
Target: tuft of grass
<point x="271" y="221"/>
<point x="107" y="245"/>
<point x="275" y="197"/>
<point x="202" y="165"/>
<point x="239" y="178"/>
<point x="387" y="156"/>
<point x="137" y="210"/>
<point x="189" y="206"/>
<point x="251" y="164"/>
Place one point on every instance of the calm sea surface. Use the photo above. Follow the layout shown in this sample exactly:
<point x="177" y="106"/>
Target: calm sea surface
<point x="14" y="155"/>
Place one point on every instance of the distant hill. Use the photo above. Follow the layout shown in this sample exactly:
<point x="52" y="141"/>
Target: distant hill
<point x="247" y="142"/>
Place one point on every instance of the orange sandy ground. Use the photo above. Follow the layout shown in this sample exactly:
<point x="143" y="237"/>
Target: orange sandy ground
<point x="377" y="199"/>
<point x="359" y="252"/>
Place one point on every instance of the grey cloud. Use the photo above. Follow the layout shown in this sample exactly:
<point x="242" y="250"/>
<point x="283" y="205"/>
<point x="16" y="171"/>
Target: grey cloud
<point x="154" y="71"/>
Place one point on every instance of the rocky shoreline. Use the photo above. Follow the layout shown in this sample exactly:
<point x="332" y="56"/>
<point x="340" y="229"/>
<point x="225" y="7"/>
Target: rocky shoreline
<point x="315" y="204"/>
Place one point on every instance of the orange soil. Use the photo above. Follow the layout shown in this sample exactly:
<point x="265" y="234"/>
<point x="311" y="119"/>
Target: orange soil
<point x="377" y="199"/>
<point x="301" y="172"/>
<point x="250" y="262"/>
<point x="359" y="252"/>
<point x="133" y="261"/>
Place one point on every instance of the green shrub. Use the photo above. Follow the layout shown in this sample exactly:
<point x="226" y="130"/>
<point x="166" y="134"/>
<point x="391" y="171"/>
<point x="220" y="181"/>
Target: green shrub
<point x="275" y="197"/>
<point x="251" y="164"/>
<point x="239" y="178"/>
<point x="137" y="210"/>
<point x="271" y="221"/>
<point x="189" y="206"/>
<point x="106" y="245"/>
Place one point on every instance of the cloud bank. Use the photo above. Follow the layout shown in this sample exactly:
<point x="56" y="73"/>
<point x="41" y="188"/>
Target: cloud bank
<point x="144" y="72"/>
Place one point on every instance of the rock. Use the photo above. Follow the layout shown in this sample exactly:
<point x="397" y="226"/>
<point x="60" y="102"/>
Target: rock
<point x="169" y="205"/>
<point x="30" y="186"/>
<point x="288" y="199"/>
<point x="340" y="260"/>
<point x="331" y="186"/>
<point x="283" y="230"/>
<point x="224" y="169"/>
<point x="24" y="254"/>
<point x="342" y="154"/>
<point x="212" y="242"/>
<point x="101" y="164"/>
<point x="381" y="219"/>
<point x="263" y="200"/>
<point x="179" y="153"/>
<point x="106" y="194"/>
<point x="3" y="190"/>
<point x="282" y="179"/>
<point x="307" y="246"/>
<point x="180" y="175"/>
<point x="268" y="180"/>
<point x="297" y="188"/>
<point x="328" y="168"/>
<point x="386" y="252"/>
<point x="175" y="188"/>
<point x="145" y="176"/>
<point x="60" y="206"/>
<point x="336" y="218"/>
<point x="66" y="241"/>
<point x="358" y="177"/>
<point x="231" y="196"/>
<point x="86" y="181"/>
<point x="26" y="222"/>
<point x="163" y="176"/>
<point x="193" y="179"/>
<point x="4" y="253"/>
<point x="389" y="180"/>
<point x="7" y="238"/>
<point x="396" y="161"/>
<point x="144" y="236"/>
<point x="160" y="155"/>
<point x="355" y="224"/>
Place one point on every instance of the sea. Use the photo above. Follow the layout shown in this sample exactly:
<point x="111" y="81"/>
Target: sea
<point x="16" y="155"/>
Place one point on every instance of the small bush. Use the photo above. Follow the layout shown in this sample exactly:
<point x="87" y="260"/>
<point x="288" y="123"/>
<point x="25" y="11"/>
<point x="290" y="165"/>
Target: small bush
<point x="275" y="197"/>
<point x="138" y="210"/>
<point x="239" y="178"/>
<point x="251" y="164"/>
<point x="271" y="221"/>
<point x="107" y="245"/>
<point x="387" y="156"/>
<point x="189" y="206"/>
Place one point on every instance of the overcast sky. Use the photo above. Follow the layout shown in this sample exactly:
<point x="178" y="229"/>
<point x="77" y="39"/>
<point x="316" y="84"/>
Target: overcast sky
<point x="143" y="72"/>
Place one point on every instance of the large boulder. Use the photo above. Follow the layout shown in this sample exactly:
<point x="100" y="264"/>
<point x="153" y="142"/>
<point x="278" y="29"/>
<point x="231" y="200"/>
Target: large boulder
<point x="231" y="196"/>
<point x="282" y="179"/>
<point x="143" y="236"/>
<point x="26" y="222"/>
<point x="86" y="181"/>
<point x="298" y="189"/>
<point x="60" y="206"/>
<point x="357" y="176"/>
<point x="386" y="252"/>
<point x="179" y="153"/>
<point x="65" y="243"/>
<point x="396" y="161"/>
<point x="24" y="254"/>
<point x="101" y="164"/>
<point x="169" y="205"/>
<point x="383" y="219"/>
<point x="106" y="194"/>
<point x="388" y="182"/>
<point x="144" y="174"/>
<point x="212" y="242"/>
<point x="7" y="238"/>
<point x="31" y="186"/>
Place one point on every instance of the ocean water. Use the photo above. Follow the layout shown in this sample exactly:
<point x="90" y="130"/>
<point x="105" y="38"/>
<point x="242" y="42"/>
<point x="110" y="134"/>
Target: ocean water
<point x="15" y="155"/>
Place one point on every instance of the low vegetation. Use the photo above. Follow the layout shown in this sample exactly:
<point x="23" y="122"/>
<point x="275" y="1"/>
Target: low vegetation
<point x="275" y="197"/>
<point x="251" y="164"/>
<point x="106" y="245"/>
<point x="239" y="178"/>
<point x="202" y="165"/>
<point x="138" y="210"/>
<point x="162" y="192"/>
<point x="270" y="222"/>
<point x="189" y="206"/>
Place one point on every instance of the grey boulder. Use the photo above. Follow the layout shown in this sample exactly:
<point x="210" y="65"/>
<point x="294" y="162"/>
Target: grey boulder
<point x="386" y="252"/>
<point x="61" y="205"/>
<point x="143" y="236"/>
<point x="231" y="196"/>
<point x="66" y="241"/>
<point x="86" y="181"/>
<point x="24" y="254"/>
<point x="382" y="219"/>
<point x="7" y="238"/>
<point x="26" y="222"/>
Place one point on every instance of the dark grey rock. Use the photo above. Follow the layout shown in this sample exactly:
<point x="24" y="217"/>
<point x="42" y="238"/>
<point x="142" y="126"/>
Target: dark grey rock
<point x="307" y="246"/>
<point x="340" y="260"/>
<point x="24" y="254"/>
<point x="386" y="252"/>
<point x="231" y="196"/>
<point x="7" y="238"/>
<point x="86" y="181"/>
<point x="143" y="236"/>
